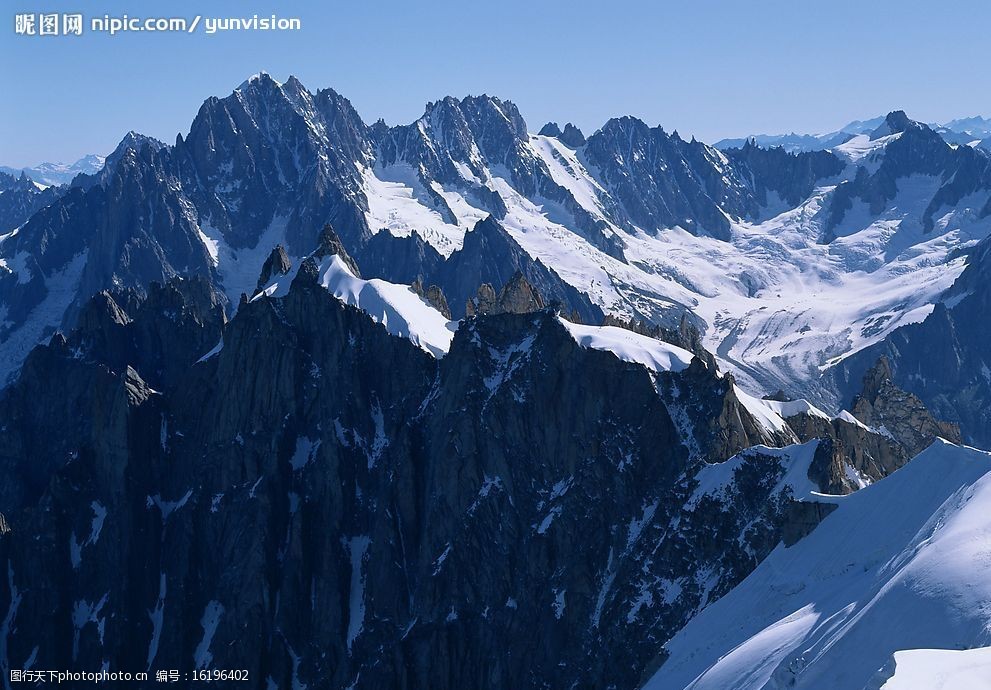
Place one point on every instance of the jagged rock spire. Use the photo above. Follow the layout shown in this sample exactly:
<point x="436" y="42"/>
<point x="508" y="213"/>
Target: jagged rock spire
<point x="277" y="264"/>
<point x="331" y="244"/>
<point x="517" y="296"/>
<point x="896" y="121"/>
<point x="572" y="136"/>
<point x="484" y="302"/>
<point x="434" y="296"/>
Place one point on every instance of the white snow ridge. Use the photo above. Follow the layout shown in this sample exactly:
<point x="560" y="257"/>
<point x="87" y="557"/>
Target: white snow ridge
<point x="397" y="307"/>
<point x="900" y="565"/>
<point x="630" y="347"/>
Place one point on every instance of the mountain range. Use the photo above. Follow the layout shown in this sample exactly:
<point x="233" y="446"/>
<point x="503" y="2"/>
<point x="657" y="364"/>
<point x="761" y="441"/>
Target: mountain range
<point x="969" y="131"/>
<point x="452" y="404"/>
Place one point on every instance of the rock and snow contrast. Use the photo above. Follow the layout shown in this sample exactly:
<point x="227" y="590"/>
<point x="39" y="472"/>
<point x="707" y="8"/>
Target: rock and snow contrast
<point x="788" y="263"/>
<point x="397" y="307"/>
<point x="454" y="404"/>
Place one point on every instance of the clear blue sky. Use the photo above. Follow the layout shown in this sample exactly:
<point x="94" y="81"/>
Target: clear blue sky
<point x="707" y="68"/>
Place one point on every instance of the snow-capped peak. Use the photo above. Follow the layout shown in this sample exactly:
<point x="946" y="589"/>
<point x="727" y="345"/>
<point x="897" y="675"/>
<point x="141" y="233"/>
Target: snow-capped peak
<point x="257" y="78"/>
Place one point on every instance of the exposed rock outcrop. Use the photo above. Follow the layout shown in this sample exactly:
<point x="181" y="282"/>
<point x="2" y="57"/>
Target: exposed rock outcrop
<point x="903" y="415"/>
<point x="517" y="296"/>
<point x="277" y="264"/>
<point x="572" y="136"/>
<point x="888" y="427"/>
<point x="434" y="296"/>
<point x="330" y="244"/>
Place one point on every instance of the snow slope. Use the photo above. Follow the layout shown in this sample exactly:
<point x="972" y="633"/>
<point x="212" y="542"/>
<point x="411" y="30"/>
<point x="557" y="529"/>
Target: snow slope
<point x="61" y="287"/>
<point x="940" y="669"/>
<point x="630" y="347"/>
<point x="862" y="146"/>
<point x="397" y="202"/>
<point x="901" y="564"/>
<point x="397" y="307"/>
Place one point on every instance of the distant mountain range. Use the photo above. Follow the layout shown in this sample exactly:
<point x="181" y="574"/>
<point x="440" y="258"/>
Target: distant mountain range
<point x="971" y="131"/>
<point x="58" y="173"/>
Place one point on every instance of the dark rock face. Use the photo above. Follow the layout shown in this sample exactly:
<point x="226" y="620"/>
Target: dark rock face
<point x="519" y="297"/>
<point x="661" y="180"/>
<point x="572" y="136"/>
<point x="330" y="244"/>
<point x="434" y="296"/>
<point x="887" y="428"/>
<point x="656" y="178"/>
<point x="275" y="150"/>
<point x="792" y="177"/>
<point x="802" y="517"/>
<point x="349" y="510"/>
<point x="882" y="404"/>
<point x="162" y="334"/>
<point x="398" y="259"/>
<point x="843" y="444"/>
<point x="485" y="302"/>
<point x="20" y="198"/>
<point x="65" y="395"/>
<point x="490" y="255"/>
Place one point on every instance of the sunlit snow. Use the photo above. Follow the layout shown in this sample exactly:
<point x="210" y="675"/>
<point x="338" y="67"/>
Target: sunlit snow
<point x="630" y="347"/>
<point x="895" y="567"/>
<point x="397" y="307"/>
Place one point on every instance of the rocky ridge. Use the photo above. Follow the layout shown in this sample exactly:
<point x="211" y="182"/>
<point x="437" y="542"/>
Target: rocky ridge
<point x="453" y="517"/>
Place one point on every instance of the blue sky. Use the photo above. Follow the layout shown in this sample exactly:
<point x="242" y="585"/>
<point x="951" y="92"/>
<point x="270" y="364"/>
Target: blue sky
<point x="707" y="68"/>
